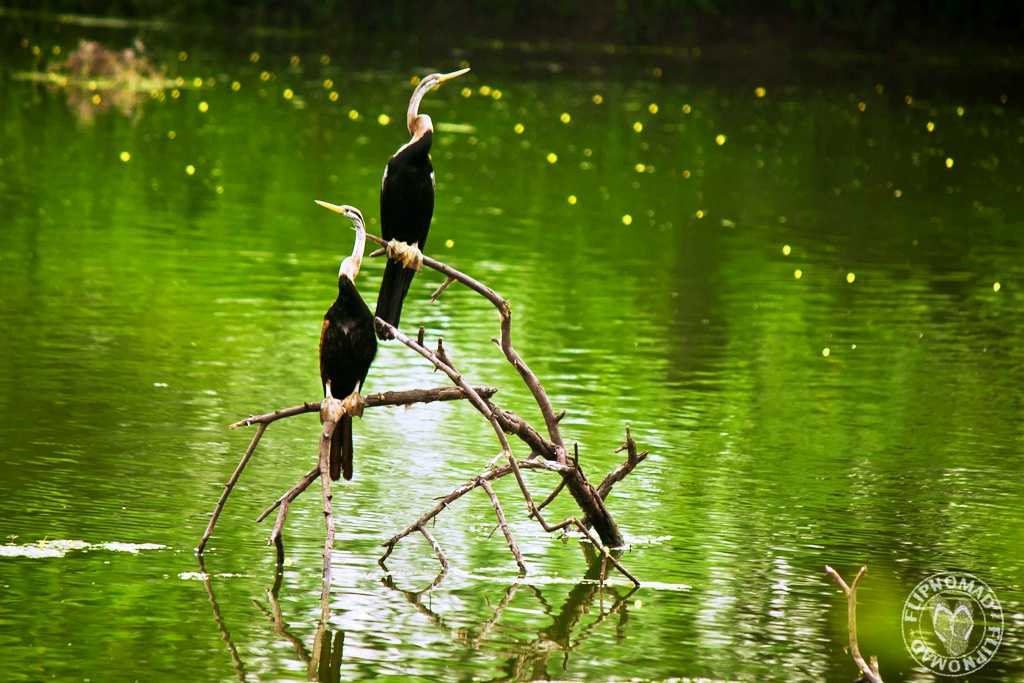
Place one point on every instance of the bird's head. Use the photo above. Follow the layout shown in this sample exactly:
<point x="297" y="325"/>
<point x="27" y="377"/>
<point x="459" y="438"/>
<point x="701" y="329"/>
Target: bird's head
<point x="420" y="123"/>
<point x="351" y="264"/>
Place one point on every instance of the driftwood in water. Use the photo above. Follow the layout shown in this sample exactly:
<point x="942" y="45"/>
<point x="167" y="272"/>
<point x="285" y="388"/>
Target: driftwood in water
<point x="868" y="668"/>
<point x="546" y="453"/>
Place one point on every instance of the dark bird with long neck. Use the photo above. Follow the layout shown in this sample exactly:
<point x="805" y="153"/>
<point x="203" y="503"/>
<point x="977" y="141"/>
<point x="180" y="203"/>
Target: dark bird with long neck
<point x="347" y="346"/>
<point x="407" y="202"/>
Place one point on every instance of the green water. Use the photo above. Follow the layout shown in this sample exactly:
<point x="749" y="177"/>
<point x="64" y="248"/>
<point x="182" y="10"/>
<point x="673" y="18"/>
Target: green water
<point x="792" y="422"/>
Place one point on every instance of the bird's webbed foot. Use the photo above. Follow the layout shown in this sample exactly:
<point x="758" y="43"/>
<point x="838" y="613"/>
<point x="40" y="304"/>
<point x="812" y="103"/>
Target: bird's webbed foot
<point x="409" y="255"/>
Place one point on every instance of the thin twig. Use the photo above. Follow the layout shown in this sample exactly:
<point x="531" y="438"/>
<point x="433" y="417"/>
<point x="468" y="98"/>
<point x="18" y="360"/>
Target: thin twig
<point x="276" y="537"/>
<point x="437" y="548"/>
<point x="440" y="290"/>
<point x="633" y="458"/>
<point x="512" y="545"/>
<point x="228" y="488"/>
<point x="869" y="670"/>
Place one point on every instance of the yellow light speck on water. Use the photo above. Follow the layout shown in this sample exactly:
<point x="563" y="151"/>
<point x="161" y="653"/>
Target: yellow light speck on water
<point x="126" y="156"/>
<point x="797" y="274"/>
<point x="182" y="56"/>
<point x="759" y="92"/>
<point x="720" y="139"/>
<point x="652" y="107"/>
<point x="36" y="50"/>
<point x="897" y="193"/>
<point x="959" y="111"/>
<point x="949" y="162"/>
<point x="264" y="76"/>
<point x="909" y="100"/>
<point x="587" y="152"/>
<point x="930" y="126"/>
<point x="190" y="169"/>
<point x="353" y="114"/>
<point x="996" y="286"/>
<point x="519" y="128"/>
<point x="466" y="92"/>
<point x="328" y="84"/>
<point x="627" y="219"/>
<point x="220" y="189"/>
<point x="449" y="243"/>
<point x="862" y="106"/>
<point x="826" y="352"/>
<point x="687" y="109"/>
<point x="204" y="107"/>
<point x="287" y="94"/>
<point x="699" y="214"/>
<point x="414" y="80"/>
<point x="851" y="277"/>
<point x="640" y="168"/>
<point x="638" y="127"/>
<point x="294" y="61"/>
<point x="786" y="249"/>
<point x="197" y="82"/>
<point x="235" y="86"/>
<point x="495" y="94"/>
<point x="686" y="173"/>
<point x="485" y="90"/>
<point x="55" y="50"/>
<point x="333" y="97"/>
<point x="565" y="117"/>
<point x="171" y="135"/>
<point x="552" y="158"/>
<point x="325" y="59"/>
<point x="96" y="99"/>
<point x="254" y="57"/>
<point x="383" y="119"/>
<point x="597" y="98"/>
<point x="571" y="199"/>
<point x="879" y="88"/>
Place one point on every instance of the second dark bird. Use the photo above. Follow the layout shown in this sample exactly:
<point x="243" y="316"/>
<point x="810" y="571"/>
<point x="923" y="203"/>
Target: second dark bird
<point x="347" y="345"/>
<point x="407" y="201"/>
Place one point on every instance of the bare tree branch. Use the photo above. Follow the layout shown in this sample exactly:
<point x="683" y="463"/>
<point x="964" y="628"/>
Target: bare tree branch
<point x="868" y="669"/>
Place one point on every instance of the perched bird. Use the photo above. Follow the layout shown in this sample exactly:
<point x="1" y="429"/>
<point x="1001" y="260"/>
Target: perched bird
<point x="347" y="346"/>
<point x="407" y="203"/>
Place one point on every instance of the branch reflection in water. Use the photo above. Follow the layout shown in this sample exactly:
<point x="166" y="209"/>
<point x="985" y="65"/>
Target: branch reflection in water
<point x="322" y="665"/>
<point x="528" y="657"/>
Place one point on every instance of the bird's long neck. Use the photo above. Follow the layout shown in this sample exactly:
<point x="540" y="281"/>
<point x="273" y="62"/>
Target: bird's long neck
<point x="414" y="104"/>
<point x="351" y="265"/>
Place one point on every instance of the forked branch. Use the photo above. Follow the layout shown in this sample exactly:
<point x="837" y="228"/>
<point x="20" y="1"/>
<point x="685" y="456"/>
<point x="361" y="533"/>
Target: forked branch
<point x="869" y="669"/>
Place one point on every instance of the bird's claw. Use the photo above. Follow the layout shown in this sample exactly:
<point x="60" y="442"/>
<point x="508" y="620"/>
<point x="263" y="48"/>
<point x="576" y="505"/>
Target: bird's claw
<point x="409" y="255"/>
<point x="353" y="404"/>
<point x="331" y="409"/>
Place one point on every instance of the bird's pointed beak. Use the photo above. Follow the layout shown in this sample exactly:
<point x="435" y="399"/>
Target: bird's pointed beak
<point x="330" y="207"/>
<point x="454" y="74"/>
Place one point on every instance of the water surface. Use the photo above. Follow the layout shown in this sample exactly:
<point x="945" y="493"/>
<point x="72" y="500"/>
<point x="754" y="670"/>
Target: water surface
<point x="804" y="300"/>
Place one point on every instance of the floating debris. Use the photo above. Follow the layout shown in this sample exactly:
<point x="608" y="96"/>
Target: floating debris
<point x="60" y="548"/>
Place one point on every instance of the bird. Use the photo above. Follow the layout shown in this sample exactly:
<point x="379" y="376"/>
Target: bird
<point x="347" y="345"/>
<point x="407" y="204"/>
